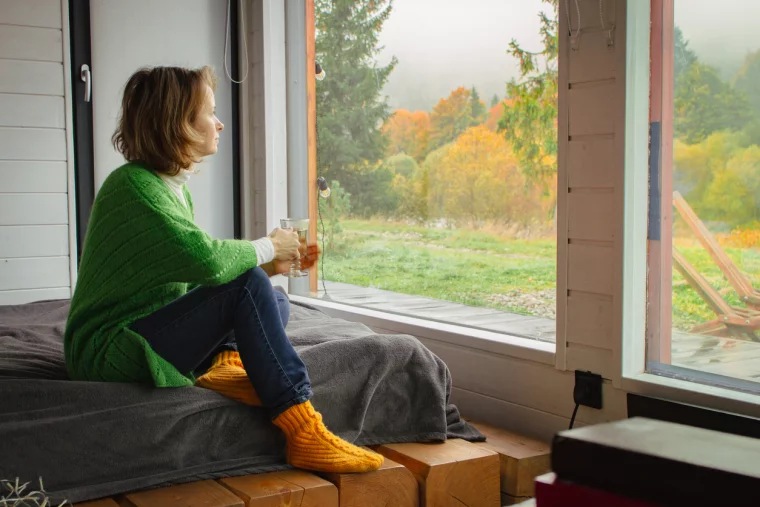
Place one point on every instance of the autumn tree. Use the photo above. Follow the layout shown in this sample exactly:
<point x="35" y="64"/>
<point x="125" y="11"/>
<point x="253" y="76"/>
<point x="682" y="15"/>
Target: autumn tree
<point x="747" y="79"/>
<point x="733" y="196"/>
<point x="495" y="114"/>
<point x="408" y="133"/>
<point x="696" y="166"/>
<point x="477" y="107"/>
<point x="450" y="117"/>
<point x="530" y="124"/>
<point x="350" y="105"/>
<point x="477" y="178"/>
<point x="704" y="104"/>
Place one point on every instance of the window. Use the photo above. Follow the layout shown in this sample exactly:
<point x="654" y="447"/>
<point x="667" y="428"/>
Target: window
<point x="440" y="152"/>
<point x="703" y="318"/>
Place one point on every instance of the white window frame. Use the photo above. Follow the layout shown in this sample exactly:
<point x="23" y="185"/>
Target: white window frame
<point x="636" y="185"/>
<point x="488" y="341"/>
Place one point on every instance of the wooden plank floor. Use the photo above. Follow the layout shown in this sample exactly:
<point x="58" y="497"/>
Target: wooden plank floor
<point x="535" y="328"/>
<point x="722" y="356"/>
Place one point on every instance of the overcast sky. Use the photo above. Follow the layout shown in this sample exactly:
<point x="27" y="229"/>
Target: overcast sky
<point x="442" y="44"/>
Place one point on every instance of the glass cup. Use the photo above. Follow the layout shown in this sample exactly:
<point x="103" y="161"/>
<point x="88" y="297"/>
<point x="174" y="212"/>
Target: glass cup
<point x="300" y="226"/>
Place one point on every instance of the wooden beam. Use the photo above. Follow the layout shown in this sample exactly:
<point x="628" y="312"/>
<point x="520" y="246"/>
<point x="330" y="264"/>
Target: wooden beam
<point x="311" y="133"/>
<point x="521" y="459"/>
<point x="291" y="487"/>
<point x="453" y="473"/>
<point x="390" y="485"/>
<point x="193" y="494"/>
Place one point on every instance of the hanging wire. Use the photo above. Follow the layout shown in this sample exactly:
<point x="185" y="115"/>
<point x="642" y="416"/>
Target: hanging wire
<point x="226" y="44"/>
<point x="569" y="23"/>
<point x="610" y="40"/>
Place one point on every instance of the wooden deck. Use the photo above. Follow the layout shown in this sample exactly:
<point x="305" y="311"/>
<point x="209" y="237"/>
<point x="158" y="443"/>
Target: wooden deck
<point x="491" y="474"/>
<point x="722" y="356"/>
<point x="535" y="328"/>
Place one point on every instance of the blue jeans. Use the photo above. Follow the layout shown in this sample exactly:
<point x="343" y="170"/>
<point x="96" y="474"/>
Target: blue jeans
<point x="247" y="315"/>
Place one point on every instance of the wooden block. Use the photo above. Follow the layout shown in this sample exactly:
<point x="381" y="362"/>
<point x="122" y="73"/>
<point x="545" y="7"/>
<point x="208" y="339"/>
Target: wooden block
<point x="455" y="473"/>
<point x="193" y="494"/>
<point x="522" y="459"/>
<point x="103" y="502"/>
<point x="392" y="485"/>
<point x="275" y="489"/>
<point x="515" y="500"/>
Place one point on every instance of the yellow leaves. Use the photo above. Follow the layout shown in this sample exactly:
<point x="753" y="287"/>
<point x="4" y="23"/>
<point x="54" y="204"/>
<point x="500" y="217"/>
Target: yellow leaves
<point x="478" y="178"/>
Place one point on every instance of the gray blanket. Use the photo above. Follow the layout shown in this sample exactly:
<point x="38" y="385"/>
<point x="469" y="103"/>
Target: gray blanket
<point x="88" y="439"/>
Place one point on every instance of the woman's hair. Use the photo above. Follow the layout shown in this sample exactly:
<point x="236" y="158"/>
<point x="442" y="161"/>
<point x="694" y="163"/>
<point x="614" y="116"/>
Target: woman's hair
<point x="159" y="107"/>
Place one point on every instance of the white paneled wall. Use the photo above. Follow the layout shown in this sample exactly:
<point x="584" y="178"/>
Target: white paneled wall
<point x="35" y="251"/>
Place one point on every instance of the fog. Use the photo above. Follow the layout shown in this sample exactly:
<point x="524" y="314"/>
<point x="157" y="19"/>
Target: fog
<point x="443" y="44"/>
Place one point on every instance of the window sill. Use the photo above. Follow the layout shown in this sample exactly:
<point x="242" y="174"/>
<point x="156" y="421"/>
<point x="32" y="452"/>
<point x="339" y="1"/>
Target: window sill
<point x="478" y="339"/>
<point x="684" y="391"/>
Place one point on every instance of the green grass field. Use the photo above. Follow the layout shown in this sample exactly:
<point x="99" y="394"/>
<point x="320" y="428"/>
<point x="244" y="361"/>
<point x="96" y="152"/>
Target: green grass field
<point x="482" y="269"/>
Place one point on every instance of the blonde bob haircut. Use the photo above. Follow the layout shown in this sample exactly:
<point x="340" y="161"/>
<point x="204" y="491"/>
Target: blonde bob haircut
<point x="158" y="110"/>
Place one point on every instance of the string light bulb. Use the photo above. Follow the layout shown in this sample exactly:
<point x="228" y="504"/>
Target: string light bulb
<point x="324" y="188"/>
<point x="320" y="72"/>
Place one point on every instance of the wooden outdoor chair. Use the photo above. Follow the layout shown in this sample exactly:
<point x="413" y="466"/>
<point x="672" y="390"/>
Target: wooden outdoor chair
<point x="738" y="280"/>
<point x="731" y="321"/>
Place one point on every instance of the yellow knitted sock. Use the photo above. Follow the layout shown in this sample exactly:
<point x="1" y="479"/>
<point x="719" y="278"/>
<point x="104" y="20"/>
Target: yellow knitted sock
<point x="312" y="446"/>
<point x="228" y="377"/>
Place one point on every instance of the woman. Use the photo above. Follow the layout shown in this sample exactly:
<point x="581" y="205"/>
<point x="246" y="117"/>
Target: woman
<point x="157" y="298"/>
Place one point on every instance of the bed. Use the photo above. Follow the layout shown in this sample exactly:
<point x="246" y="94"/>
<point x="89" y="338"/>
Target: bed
<point x="90" y="440"/>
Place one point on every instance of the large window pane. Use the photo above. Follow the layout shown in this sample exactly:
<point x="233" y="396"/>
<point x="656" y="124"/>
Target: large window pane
<point x="440" y="151"/>
<point x="706" y="74"/>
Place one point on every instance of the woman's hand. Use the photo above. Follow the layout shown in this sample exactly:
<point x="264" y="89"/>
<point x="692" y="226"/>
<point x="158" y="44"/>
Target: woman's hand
<point x="286" y="245"/>
<point x="278" y="267"/>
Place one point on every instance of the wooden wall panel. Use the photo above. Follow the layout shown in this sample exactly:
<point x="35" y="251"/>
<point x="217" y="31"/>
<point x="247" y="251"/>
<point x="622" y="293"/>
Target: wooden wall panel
<point x="32" y="144"/>
<point x="584" y="358"/>
<point x="27" y="111"/>
<point x="590" y="268"/>
<point x="585" y="221"/>
<point x="34" y="273"/>
<point x="35" y="78"/>
<point x="591" y="162"/>
<point x="34" y="241"/>
<point x="590" y="105"/>
<point x="33" y="209"/>
<point x="20" y="297"/>
<point x="589" y="319"/>
<point x="31" y="43"/>
<point x="17" y="176"/>
<point x="42" y="13"/>
<point x="594" y="60"/>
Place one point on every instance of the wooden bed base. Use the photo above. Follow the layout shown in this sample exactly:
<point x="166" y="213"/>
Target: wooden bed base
<point x="455" y="473"/>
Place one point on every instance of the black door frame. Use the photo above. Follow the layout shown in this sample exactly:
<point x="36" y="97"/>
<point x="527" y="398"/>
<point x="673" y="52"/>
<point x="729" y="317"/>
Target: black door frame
<point x="84" y="166"/>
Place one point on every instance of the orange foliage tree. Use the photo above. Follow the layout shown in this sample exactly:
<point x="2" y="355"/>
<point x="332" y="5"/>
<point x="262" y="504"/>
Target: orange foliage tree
<point x="450" y="117"/>
<point x="495" y="114"/>
<point x="408" y="133"/>
<point x="478" y="178"/>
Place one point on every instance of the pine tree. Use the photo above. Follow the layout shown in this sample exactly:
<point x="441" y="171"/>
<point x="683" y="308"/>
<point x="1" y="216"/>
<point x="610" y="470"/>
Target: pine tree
<point x="477" y="108"/>
<point x="494" y="100"/>
<point x="350" y="106"/>
<point x="683" y="55"/>
<point x="530" y="123"/>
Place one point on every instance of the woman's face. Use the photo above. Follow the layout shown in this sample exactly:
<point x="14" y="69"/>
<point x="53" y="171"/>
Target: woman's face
<point x="208" y="125"/>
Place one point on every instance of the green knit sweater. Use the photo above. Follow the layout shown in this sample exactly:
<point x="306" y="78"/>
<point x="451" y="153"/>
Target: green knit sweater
<point x="142" y="251"/>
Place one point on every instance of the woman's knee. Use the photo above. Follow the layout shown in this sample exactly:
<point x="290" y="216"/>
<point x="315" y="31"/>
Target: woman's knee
<point x="283" y="304"/>
<point x="256" y="277"/>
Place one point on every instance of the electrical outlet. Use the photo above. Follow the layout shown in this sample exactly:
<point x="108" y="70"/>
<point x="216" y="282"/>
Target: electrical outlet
<point x="588" y="389"/>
